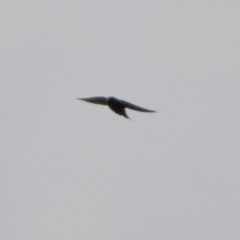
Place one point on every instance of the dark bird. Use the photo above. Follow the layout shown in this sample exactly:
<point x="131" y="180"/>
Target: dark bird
<point x="116" y="105"/>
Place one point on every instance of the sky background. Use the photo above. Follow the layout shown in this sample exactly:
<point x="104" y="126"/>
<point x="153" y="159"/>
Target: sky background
<point x="74" y="170"/>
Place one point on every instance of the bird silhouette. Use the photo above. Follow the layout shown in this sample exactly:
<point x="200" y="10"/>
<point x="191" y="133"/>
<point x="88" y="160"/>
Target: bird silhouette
<point x="116" y="105"/>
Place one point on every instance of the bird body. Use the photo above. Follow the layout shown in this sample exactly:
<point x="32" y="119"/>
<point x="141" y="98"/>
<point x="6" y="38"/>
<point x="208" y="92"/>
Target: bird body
<point x="116" y="105"/>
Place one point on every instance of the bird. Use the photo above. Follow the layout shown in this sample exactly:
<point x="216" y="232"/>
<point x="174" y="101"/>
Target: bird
<point x="116" y="105"/>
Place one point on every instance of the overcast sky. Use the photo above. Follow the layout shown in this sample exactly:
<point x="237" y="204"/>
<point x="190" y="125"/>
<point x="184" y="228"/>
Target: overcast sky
<point x="74" y="170"/>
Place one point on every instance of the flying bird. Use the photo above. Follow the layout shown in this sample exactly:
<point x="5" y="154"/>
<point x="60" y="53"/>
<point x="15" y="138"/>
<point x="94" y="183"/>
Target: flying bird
<point x="116" y="105"/>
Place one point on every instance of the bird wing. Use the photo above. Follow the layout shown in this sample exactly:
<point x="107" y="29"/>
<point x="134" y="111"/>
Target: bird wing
<point x="96" y="100"/>
<point x="134" y="107"/>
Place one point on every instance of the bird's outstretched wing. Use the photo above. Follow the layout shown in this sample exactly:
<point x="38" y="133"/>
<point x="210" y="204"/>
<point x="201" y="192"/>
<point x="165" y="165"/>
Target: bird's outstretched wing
<point x="134" y="107"/>
<point x="96" y="100"/>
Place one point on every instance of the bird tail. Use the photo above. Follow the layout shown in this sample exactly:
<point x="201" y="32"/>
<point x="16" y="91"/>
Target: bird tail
<point x="125" y="115"/>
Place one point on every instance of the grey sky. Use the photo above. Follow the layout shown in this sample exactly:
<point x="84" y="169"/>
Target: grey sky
<point x="71" y="170"/>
